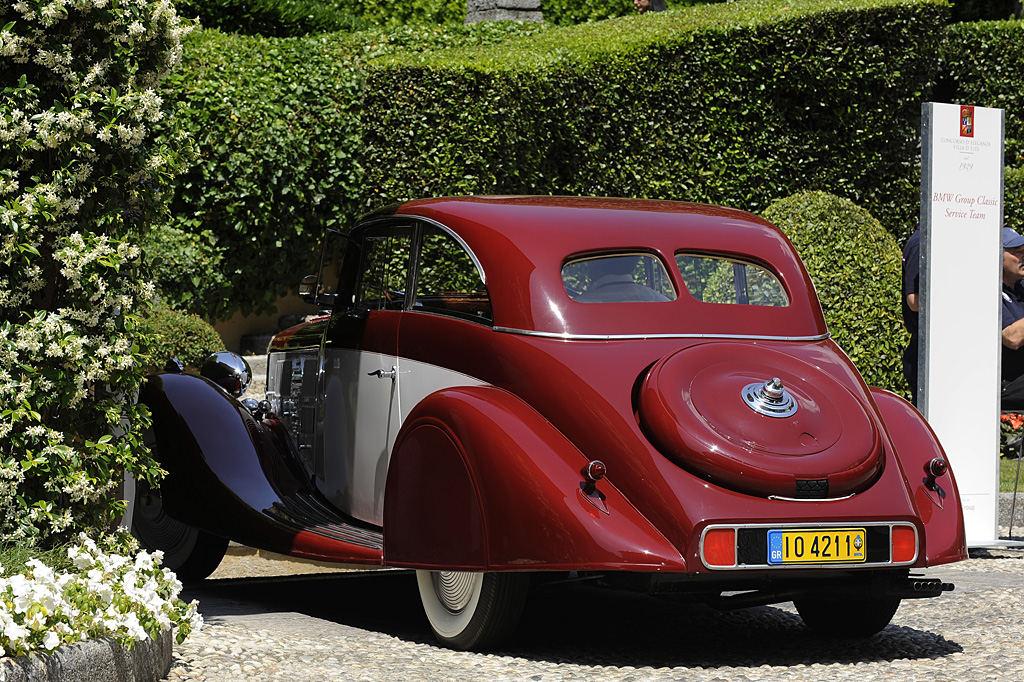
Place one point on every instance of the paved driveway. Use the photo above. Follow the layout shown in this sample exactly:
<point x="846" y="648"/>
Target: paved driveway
<point x="368" y="626"/>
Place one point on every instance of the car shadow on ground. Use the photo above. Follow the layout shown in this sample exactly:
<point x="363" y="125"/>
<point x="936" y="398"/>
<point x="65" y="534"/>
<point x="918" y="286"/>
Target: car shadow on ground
<point x="575" y="625"/>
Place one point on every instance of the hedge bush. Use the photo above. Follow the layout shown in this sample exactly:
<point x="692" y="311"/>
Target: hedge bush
<point x="1013" y="193"/>
<point x="277" y="125"/>
<point x="985" y="61"/>
<point x="184" y="336"/>
<point x="275" y="122"/>
<point x="981" y="10"/>
<point x="293" y="18"/>
<point x="738" y="104"/>
<point x="855" y="266"/>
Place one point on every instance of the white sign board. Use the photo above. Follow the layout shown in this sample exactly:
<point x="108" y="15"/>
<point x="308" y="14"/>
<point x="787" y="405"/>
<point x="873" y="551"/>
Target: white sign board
<point x="960" y="308"/>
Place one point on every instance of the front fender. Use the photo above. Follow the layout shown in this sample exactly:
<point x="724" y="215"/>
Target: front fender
<point x="915" y="445"/>
<point x="480" y="481"/>
<point x="231" y="475"/>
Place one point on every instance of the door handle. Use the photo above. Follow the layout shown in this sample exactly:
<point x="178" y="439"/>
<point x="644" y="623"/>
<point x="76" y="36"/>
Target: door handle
<point x="384" y="373"/>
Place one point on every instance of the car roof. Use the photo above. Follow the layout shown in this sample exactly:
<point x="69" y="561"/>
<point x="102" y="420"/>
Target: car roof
<point x="522" y="242"/>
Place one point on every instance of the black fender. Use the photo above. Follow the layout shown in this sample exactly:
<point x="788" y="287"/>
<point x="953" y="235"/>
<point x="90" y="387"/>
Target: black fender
<point x="233" y="476"/>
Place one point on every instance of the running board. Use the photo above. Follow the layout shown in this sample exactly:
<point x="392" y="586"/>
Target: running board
<point x="305" y="512"/>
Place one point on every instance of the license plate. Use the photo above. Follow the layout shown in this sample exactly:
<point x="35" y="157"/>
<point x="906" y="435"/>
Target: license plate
<point x="831" y="546"/>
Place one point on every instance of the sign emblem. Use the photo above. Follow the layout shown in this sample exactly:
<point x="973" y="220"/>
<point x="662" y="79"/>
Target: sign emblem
<point x="966" y="121"/>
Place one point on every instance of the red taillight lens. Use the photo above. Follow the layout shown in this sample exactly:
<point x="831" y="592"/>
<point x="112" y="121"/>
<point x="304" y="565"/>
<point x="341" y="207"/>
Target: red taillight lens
<point x="937" y="467"/>
<point x="904" y="544"/>
<point x="595" y="470"/>
<point x="720" y="547"/>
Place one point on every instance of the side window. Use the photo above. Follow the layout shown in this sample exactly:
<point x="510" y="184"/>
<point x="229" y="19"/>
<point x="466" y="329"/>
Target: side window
<point x="447" y="281"/>
<point x="713" y="279"/>
<point x="331" y="260"/>
<point x="617" y="278"/>
<point x="384" y="269"/>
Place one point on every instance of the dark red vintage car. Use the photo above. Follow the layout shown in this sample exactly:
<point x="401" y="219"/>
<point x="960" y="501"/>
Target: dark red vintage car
<point x="505" y="391"/>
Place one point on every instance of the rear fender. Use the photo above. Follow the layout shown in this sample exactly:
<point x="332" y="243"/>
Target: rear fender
<point x="937" y="499"/>
<point x="480" y="481"/>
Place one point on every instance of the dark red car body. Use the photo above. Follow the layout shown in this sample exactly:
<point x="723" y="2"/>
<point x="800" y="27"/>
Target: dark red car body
<point x="494" y="403"/>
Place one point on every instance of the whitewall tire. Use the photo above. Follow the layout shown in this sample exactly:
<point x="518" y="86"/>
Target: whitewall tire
<point x="472" y="610"/>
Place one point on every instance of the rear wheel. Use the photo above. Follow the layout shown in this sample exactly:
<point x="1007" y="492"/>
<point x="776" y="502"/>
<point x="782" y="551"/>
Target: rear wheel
<point x="472" y="610"/>
<point x="847" y="617"/>
<point x="191" y="553"/>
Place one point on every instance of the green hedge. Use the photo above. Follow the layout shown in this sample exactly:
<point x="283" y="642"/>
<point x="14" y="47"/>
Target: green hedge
<point x="1013" y="192"/>
<point x="855" y="266"/>
<point x="292" y="18"/>
<point x="567" y="12"/>
<point x="738" y="104"/>
<point x="277" y="125"/>
<point x="985" y="61"/>
<point x="180" y="335"/>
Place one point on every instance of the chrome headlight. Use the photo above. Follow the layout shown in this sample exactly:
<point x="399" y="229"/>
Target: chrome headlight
<point x="228" y="370"/>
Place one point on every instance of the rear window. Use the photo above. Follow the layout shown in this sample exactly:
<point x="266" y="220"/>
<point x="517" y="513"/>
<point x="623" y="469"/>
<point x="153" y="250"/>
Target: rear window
<point x="713" y="279"/>
<point x="617" y="278"/>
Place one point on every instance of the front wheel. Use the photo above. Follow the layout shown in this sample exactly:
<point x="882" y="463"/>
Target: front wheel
<point x="847" y="617"/>
<point x="472" y="610"/>
<point x="191" y="553"/>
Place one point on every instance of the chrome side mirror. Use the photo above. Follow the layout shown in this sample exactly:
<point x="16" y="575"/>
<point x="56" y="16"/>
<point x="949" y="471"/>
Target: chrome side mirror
<point x="308" y="288"/>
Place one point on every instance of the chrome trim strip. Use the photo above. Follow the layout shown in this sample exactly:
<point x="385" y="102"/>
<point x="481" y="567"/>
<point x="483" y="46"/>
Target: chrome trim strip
<point x="810" y="526"/>
<point x="811" y="499"/>
<point x="631" y="337"/>
<point x="453" y="234"/>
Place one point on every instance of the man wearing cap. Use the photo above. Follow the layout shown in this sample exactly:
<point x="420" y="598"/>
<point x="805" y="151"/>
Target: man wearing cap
<point x="1013" y="321"/>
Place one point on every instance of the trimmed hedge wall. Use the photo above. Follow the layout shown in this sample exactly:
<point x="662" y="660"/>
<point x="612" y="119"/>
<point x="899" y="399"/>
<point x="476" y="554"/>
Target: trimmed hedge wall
<point x="1013" y="192"/>
<point x="293" y="18"/>
<point x="567" y="12"/>
<point x="277" y="123"/>
<point x="985" y="61"/>
<point x="855" y="265"/>
<point x="738" y="104"/>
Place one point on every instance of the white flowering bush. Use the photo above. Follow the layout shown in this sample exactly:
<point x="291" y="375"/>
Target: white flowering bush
<point x="80" y="180"/>
<point x="109" y="594"/>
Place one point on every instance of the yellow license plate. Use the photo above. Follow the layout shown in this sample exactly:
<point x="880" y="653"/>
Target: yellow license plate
<point x="825" y="546"/>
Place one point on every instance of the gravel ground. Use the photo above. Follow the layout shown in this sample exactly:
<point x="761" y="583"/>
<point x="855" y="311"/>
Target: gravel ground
<point x="269" y="618"/>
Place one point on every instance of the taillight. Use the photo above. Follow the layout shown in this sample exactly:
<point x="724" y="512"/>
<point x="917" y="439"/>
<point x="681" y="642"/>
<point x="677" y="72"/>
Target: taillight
<point x="719" y="548"/>
<point x="904" y="544"/>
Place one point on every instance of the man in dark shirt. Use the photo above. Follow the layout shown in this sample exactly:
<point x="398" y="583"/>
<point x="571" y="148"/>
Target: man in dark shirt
<point x="911" y="287"/>
<point x="1012" y="397"/>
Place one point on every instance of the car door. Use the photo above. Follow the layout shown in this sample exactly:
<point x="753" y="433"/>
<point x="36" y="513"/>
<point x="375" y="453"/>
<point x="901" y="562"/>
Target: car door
<point x="359" y="414"/>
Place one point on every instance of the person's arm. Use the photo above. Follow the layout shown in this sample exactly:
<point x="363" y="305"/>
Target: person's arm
<point x="912" y="302"/>
<point x="1013" y="335"/>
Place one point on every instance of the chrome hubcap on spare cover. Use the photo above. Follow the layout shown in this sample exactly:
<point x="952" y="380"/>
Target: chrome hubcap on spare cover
<point x="770" y="398"/>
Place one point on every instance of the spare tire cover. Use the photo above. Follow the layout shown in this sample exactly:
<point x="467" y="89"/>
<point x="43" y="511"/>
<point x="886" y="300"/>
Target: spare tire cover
<point x="693" y="410"/>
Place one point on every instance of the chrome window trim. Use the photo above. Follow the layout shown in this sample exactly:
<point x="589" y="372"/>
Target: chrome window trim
<point x="631" y="337"/>
<point x="453" y="234"/>
<point x="811" y="526"/>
